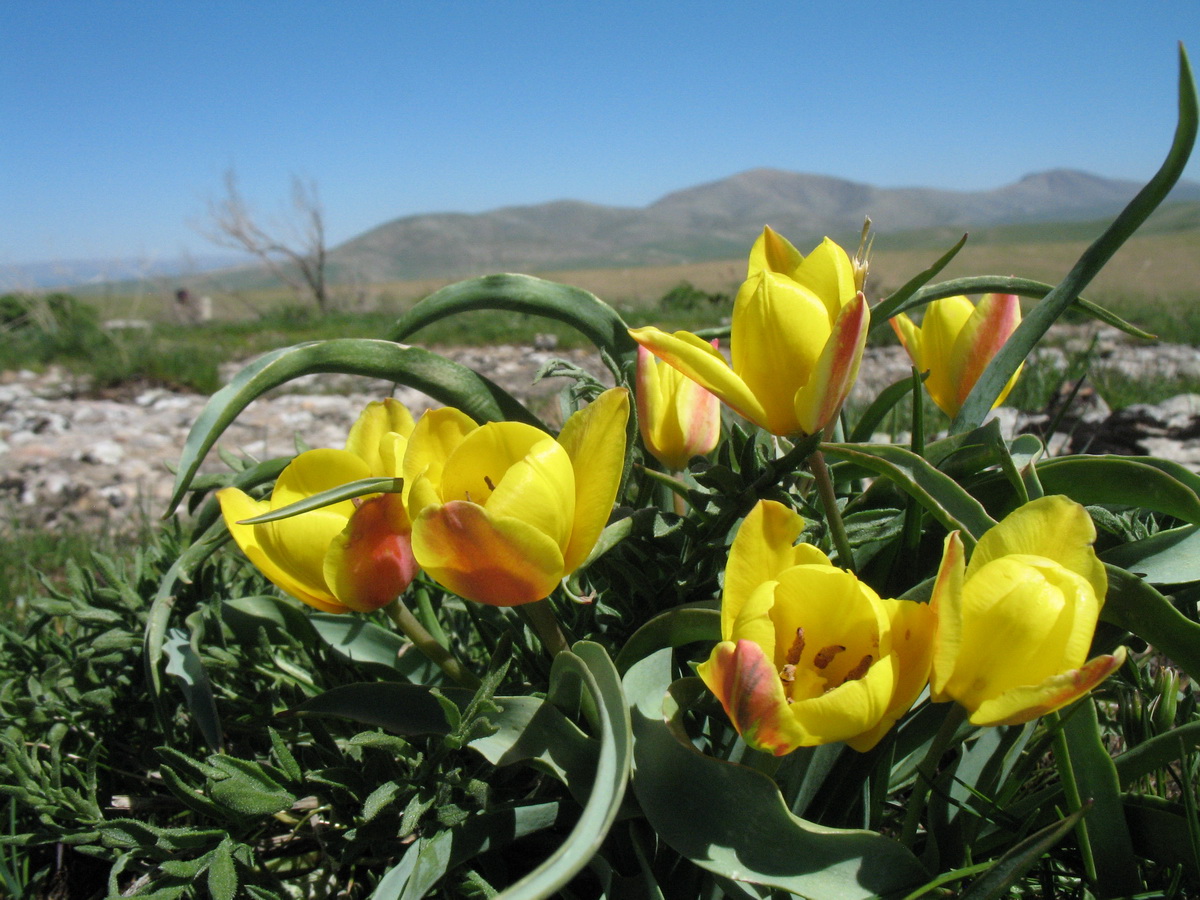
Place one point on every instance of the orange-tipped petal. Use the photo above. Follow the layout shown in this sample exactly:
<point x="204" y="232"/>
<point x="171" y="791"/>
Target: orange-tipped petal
<point x="371" y="563"/>
<point x="594" y="439"/>
<point x="744" y="679"/>
<point x="501" y="562"/>
<point x="983" y="334"/>
<point x="836" y="370"/>
<point x="1023" y="704"/>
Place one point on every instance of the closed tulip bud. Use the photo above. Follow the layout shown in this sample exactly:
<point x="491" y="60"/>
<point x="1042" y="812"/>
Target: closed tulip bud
<point x="1014" y="626"/>
<point x="808" y="653"/>
<point x="677" y="418"/>
<point x="955" y="342"/>
<point x="503" y="512"/>
<point x="350" y="556"/>
<point x="799" y="328"/>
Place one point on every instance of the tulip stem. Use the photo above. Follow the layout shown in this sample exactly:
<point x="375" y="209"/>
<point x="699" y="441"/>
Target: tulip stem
<point x="837" y="528"/>
<point x="1066" y="774"/>
<point x="540" y="615"/>
<point x="927" y="770"/>
<point x="403" y="619"/>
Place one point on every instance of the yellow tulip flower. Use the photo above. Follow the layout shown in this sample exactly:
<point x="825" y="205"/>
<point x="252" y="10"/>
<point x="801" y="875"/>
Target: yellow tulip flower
<point x="809" y="654"/>
<point x="502" y="512"/>
<point x="799" y="328"/>
<point x="1014" y="626"/>
<point x="351" y="556"/>
<point x="677" y="418"/>
<point x="955" y="343"/>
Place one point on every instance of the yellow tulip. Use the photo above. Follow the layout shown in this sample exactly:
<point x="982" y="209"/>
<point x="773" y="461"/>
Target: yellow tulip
<point x="1014" y="626"/>
<point x="955" y="343"/>
<point x="677" y="418"/>
<point x="808" y="653"/>
<point x="502" y="512"/>
<point x="351" y="556"/>
<point x="799" y="327"/>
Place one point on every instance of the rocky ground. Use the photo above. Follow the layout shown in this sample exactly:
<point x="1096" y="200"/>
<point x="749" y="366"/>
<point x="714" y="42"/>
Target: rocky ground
<point x="70" y="456"/>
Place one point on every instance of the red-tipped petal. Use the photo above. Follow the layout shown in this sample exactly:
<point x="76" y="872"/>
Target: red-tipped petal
<point x="1024" y="704"/>
<point x="746" y="683"/>
<point x="371" y="563"/>
<point x="837" y="368"/>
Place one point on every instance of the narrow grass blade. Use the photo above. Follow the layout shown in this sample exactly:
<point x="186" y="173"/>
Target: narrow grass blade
<point x="995" y="883"/>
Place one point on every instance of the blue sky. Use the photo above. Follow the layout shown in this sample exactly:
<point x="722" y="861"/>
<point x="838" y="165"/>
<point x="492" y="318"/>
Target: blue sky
<point x="120" y="118"/>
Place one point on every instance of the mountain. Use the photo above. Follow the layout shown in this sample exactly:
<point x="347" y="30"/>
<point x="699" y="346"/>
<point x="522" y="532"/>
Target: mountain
<point x="712" y="221"/>
<point x="19" y="277"/>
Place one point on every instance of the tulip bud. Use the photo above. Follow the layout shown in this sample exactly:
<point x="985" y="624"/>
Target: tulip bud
<point x="677" y="418"/>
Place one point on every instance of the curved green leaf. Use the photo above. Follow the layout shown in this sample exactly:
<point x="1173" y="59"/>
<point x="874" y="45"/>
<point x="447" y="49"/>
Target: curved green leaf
<point x="674" y="628"/>
<point x="1046" y="313"/>
<point x="363" y="642"/>
<point x="881" y="406"/>
<point x="403" y="709"/>
<point x="1120" y="481"/>
<point x="589" y="663"/>
<point x="899" y="300"/>
<point x="1134" y="605"/>
<point x="347" y="491"/>
<point x="995" y="883"/>
<point x="585" y="312"/>
<point x="529" y="729"/>
<point x="936" y="491"/>
<point x="1156" y="753"/>
<point x="1169" y="557"/>
<point x="440" y="378"/>
<point x="732" y="821"/>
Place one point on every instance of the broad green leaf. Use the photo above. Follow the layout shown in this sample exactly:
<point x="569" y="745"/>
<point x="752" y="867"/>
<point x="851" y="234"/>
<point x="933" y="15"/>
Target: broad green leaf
<point x="588" y="314"/>
<point x="1160" y="833"/>
<point x="1096" y="779"/>
<point x="440" y="378"/>
<point x="590" y="664"/>
<point x="529" y="729"/>
<point x="404" y="709"/>
<point x="995" y="883"/>
<point x="1134" y="605"/>
<point x="936" y="491"/>
<point x="674" y="628"/>
<point x="1169" y="557"/>
<point x="247" y="788"/>
<point x="185" y="665"/>
<point x="1119" y="481"/>
<point x="1047" y="311"/>
<point x="279" y="617"/>
<point x="360" y="641"/>
<point x="731" y="820"/>
<point x="222" y="876"/>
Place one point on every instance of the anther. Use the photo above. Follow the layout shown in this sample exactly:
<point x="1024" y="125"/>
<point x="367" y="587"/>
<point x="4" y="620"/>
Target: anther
<point x="860" y="670"/>
<point x="488" y="482"/>
<point x="793" y="654"/>
<point x="826" y="654"/>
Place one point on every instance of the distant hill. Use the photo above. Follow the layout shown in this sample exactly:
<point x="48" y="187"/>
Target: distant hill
<point x="713" y="221"/>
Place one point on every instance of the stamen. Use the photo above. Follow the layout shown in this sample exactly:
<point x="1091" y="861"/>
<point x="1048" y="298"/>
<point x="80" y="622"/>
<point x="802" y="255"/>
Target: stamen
<point x="860" y="670"/>
<point x="826" y="654"/>
<point x="488" y="482"/>
<point x="793" y="654"/>
<point x="788" y="676"/>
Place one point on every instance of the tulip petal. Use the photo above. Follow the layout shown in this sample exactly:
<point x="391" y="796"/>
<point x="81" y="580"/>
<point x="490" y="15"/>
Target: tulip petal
<point x="498" y="561"/>
<point x="774" y="253"/>
<point x="1054" y="527"/>
<point x="746" y="682"/>
<point x="829" y="274"/>
<point x="851" y="711"/>
<point x="946" y="602"/>
<point x="779" y="330"/>
<point x="983" y="334"/>
<point x="943" y="321"/>
<point x="594" y="439"/>
<point x="370" y="563"/>
<point x="1023" y="704"/>
<point x="379" y="418"/>
<point x="836" y="370"/>
<point x="237" y="506"/>
<point x="700" y="361"/>
<point x="912" y="629"/>
<point x="433" y="439"/>
<point x="910" y="339"/>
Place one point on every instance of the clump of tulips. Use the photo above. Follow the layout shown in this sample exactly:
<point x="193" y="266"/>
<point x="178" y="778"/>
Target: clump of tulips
<point x="683" y="602"/>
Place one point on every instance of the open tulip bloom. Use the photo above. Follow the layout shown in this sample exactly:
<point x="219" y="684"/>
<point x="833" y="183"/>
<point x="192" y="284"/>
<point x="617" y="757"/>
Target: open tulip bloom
<point x="1015" y="624"/>
<point x="503" y="512"/>
<point x="354" y="555"/>
<point x="955" y="342"/>
<point x="808" y="653"/>
<point x="799" y="328"/>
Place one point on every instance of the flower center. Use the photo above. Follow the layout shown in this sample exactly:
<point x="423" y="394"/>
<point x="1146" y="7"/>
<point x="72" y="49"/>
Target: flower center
<point x="820" y="662"/>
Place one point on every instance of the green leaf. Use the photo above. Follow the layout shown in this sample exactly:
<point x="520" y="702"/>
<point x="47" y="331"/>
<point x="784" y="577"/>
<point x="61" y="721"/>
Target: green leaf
<point x="365" y="643"/>
<point x="731" y="820"/>
<point x="995" y="883"/>
<point x="1169" y="557"/>
<point x="1134" y="605"/>
<point x="1156" y="753"/>
<point x="676" y="627"/>
<point x="1119" y="481"/>
<point x="936" y="491"/>
<point x="529" y="729"/>
<point x="404" y="709"/>
<point x="280" y="618"/>
<point x="589" y="663"/>
<point x="347" y="491"/>
<point x="898" y="301"/>
<point x="185" y="665"/>
<point x="434" y="375"/>
<point x="1160" y="833"/>
<point x="222" y="875"/>
<point x="880" y="407"/>
<point x="247" y="788"/>
<point x="1018" y="347"/>
<point x="1096" y="779"/>
<point x="591" y="316"/>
